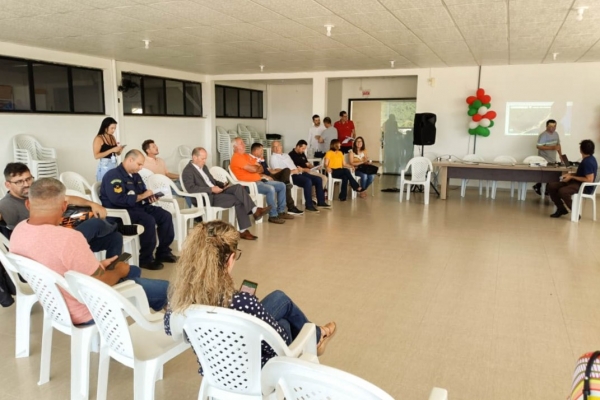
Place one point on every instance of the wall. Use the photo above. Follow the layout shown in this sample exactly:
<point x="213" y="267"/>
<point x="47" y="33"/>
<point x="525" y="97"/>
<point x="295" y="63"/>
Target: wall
<point x="290" y="112"/>
<point x="334" y="98"/>
<point x="381" y="88"/>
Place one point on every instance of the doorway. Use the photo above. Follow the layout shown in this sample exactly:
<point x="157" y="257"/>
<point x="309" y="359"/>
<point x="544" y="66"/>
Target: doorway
<point x="387" y="128"/>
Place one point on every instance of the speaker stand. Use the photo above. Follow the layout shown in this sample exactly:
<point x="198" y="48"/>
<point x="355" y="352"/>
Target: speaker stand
<point x="420" y="189"/>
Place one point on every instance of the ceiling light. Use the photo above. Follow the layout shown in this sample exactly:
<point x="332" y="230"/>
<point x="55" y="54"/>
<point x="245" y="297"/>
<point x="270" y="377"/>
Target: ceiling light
<point x="554" y="56"/>
<point x="392" y="63"/>
<point x="146" y="43"/>
<point x="329" y="29"/>
<point x="262" y="67"/>
<point x="580" y="11"/>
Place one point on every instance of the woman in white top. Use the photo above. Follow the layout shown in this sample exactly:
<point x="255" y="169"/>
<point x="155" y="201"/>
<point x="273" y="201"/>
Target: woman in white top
<point x="358" y="156"/>
<point x="105" y="147"/>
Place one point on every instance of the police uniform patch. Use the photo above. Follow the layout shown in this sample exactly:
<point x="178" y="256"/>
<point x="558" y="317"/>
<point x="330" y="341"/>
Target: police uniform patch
<point x="117" y="185"/>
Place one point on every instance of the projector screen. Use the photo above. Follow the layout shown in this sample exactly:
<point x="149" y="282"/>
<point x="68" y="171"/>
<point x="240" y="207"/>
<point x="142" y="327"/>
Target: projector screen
<point x="529" y="117"/>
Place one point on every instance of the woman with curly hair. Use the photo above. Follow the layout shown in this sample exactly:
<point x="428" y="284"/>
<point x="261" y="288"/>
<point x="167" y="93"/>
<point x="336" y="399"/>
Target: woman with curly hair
<point x="203" y="276"/>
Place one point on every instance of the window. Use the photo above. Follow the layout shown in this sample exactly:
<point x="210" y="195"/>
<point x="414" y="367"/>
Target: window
<point x="156" y="96"/>
<point x="231" y="102"/>
<point x="36" y="86"/>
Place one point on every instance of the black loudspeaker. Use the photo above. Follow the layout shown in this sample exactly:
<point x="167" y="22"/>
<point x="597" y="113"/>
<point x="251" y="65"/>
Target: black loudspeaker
<point x="424" y="129"/>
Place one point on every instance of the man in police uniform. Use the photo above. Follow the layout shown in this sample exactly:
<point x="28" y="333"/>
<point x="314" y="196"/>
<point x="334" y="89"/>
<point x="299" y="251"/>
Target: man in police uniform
<point x="123" y="187"/>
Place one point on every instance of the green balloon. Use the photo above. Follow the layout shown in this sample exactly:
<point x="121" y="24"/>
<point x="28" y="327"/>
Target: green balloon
<point x="483" y="131"/>
<point x="472" y="111"/>
<point x="491" y="124"/>
<point x="488" y="105"/>
<point x="472" y="132"/>
<point x="477" y="104"/>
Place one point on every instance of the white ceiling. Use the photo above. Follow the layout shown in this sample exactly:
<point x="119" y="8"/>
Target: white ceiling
<point x="236" y="36"/>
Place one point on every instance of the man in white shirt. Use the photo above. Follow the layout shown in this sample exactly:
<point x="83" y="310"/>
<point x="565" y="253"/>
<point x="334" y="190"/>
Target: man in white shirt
<point x="197" y="179"/>
<point x="314" y="138"/>
<point x="306" y="181"/>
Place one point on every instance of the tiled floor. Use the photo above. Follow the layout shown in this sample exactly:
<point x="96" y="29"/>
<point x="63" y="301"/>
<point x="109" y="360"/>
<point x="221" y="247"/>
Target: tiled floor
<point x="489" y="299"/>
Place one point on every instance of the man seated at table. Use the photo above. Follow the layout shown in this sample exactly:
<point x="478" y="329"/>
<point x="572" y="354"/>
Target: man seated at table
<point x="561" y="192"/>
<point x="246" y="169"/>
<point x="197" y="179"/>
<point x="300" y="178"/>
<point x="548" y="146"/>
<point x="41" y="239"/>
<point x="278" y="174"/>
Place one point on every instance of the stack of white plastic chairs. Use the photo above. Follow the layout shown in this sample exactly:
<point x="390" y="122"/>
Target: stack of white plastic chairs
<point x="40" y="160"/>
<point x="224" y="145"/>
<point x="244" y="133"/>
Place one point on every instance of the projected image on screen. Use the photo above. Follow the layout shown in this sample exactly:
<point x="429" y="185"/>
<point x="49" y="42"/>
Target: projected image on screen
<point x="529" y="117"/>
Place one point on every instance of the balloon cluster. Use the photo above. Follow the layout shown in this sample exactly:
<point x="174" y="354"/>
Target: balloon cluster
<point x="482" y="117"/>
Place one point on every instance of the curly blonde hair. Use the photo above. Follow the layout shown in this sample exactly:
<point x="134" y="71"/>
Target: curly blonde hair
<point x="201" y="275"/>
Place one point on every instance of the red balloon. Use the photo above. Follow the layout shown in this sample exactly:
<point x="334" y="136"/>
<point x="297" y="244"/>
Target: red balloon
<point x="485" y="99"/>
<point x="477" y="117"/>
<point x="480" y="94"/>
<point x="471" y="99"/>
<point x="490" y="115"/>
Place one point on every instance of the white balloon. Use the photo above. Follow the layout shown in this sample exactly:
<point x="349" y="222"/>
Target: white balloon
<point x="473" y="125"/>
<point x="484" y="122"/>
<point x="482" y="110"/>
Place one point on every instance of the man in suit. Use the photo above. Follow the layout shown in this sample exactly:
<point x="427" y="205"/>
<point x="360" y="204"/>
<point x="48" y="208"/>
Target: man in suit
<point x="196" y="178"/>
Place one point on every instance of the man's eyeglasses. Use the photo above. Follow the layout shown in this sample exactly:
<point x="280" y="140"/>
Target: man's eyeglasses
<point x="21" y="182"/>
<point x="238" y="254"/>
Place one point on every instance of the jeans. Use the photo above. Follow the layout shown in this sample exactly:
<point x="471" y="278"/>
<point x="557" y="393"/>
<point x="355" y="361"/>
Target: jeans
<point x="306" y="181"/>
<point x="102" y="235"/>
<point x="286" y="313"/>
<point x="269" y="189"/>
<point x="104" y="165"/>
<point x="365" y="180"/>
<point x="155" y="289"/>
<point x="346" y="176"/>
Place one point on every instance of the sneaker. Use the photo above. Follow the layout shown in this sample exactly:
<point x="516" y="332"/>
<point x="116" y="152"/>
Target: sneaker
<point x="295" y="211"/>
<point x="130" y="230"/>
<point x="276" y="220"/>
<point x="324" y="205"/>
<point x="312" y="209"/>
<point x="285" y="215"/>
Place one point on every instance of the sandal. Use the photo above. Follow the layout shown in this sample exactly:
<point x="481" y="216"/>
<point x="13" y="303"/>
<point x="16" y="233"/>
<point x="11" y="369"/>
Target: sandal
<point x="327" y="333"/>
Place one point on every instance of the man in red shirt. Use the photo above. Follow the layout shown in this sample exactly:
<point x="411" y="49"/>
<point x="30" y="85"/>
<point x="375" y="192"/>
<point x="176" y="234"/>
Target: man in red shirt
<point x="345" y="129"/>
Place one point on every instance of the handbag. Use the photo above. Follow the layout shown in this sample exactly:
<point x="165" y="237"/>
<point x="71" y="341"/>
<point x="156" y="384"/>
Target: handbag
<point x="368" y="169"/>
<point x="586" y="377"/>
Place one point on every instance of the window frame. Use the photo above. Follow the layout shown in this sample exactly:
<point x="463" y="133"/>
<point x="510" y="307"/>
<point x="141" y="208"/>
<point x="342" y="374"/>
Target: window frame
<point x="238" y="89"/>
<point x="31" y="83"/>
<point x="164" y="84"/>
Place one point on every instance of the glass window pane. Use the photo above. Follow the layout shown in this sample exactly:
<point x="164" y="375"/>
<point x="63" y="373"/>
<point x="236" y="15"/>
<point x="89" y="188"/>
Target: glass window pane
<point x="193" y="99"/>
<point x="132" y="94"/>
<point x="51" y="87"/>
<point x="174" y="97"/>
<point x="257" y="105"/>
<point x="245" y="103"/>
<point x="87" y="90"/>
<point x="220" y="101"/>
<point x="231" y="102"/>
<point x="154" y="96"/>
<point x="14" y="85"/>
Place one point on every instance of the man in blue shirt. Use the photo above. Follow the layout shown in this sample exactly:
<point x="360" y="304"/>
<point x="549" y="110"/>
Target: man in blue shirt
<point x="561" y="192"/>
<point x="123" y="187"/>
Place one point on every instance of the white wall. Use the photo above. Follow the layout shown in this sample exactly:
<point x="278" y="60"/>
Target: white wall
<point x="381" y="88"/>
<point x="290" y="112"/>
<point x="334" y="99"/>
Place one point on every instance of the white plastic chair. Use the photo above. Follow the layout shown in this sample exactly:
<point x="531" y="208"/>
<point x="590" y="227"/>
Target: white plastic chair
<point x="533" y="160"/>
<point x="142" y="346"/>
<point x="244" y="133"/>
<point x="182" y="218"/>
<point x="46" y="283"/>
<point x="145" y="173"/>
<point x="577" y="200"/>
<point x="74" y="181"/>
<point x="228" y="345"/>
<point x="331" y="181"/>
<point x="130" y="243"/>
<point x="294" y="190"/>
<point x="224" y="176"/>
<point x="294" y="379"/>
<point x="421" y="169"/>
<point x="184" y="151"/>
<point x="472" y="158"/>
<point x="224" y="145"/>
<point x="510" y="161"/>
<point x="182" y="164"/>
<point x="40" y="160"/>
<point x="25" y="299"/>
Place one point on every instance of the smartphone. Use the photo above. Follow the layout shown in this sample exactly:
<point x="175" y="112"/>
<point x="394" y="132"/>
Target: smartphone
<point x="249" y="287"/>
<point x="122" y="258"/>
<point x="158" y="194"/>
